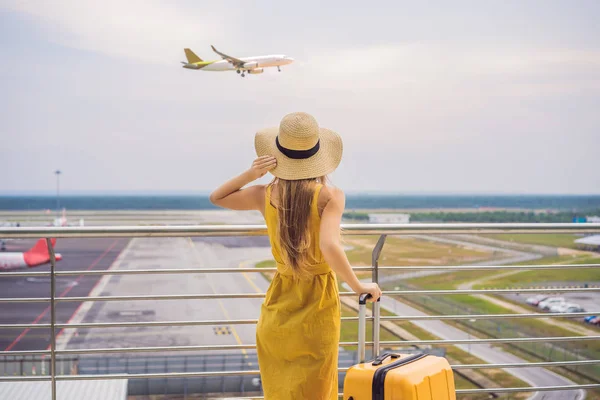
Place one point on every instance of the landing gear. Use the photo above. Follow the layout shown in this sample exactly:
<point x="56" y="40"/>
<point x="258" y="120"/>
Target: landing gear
<point x="278" y="69"/>
<point x="243" y="75"/>
<point x="238" y="71"/>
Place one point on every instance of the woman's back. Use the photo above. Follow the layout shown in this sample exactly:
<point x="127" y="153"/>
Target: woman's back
<point x="314" y="261"/>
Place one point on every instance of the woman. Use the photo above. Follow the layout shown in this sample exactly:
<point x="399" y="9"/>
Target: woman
<point x="298" y="332"/>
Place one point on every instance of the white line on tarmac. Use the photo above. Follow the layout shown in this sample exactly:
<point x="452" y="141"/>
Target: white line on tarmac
<point x="85" y="307"/>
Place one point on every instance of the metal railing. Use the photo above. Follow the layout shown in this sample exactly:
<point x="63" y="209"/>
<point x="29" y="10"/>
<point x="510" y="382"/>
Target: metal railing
<point x="382" y="230"/>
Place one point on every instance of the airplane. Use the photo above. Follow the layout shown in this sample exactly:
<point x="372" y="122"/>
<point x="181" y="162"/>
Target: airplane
<point x="250" y="65"/>
<point x="37" y="255"/>
<point x="62" y="220"/>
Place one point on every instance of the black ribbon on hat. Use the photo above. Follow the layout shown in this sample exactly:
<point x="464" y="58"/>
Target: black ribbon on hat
<point x="297" y="154"/>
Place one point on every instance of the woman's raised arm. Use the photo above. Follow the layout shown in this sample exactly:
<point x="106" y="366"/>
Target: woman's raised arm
<point x="231" y="195"/>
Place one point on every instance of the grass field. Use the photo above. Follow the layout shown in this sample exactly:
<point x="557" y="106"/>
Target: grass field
<point x="524" y="278"/>
<point x="466" y="304"/>
<point x="266" y="264"/>
<point x="452" y="280"/>
<point x="448" y="280"/>
<point x="552" y="240"/>
<point x="401" y="250"/>
<point x="471" y="304"/>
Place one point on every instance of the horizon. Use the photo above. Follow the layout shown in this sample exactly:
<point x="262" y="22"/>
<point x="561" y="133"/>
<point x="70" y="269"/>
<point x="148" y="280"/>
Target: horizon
<point x="350" y="192"/>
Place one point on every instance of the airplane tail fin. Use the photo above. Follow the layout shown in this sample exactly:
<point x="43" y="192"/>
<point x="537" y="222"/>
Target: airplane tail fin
<point x="191" y="56"/>
<point x="41" y="247"/>
<point x="39" y="254"/>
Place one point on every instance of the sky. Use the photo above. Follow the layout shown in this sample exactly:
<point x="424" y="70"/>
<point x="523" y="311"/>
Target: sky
<point x="474" y="96"/>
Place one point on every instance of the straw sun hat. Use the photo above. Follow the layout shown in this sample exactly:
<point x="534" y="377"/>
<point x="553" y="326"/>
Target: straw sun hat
<point x="303" y="149"/>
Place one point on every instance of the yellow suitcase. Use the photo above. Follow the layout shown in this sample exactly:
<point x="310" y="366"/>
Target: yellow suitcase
<point x="394" y="376"/>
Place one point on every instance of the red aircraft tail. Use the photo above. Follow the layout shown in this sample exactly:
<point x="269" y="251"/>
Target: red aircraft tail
<point x="39" y="254"/>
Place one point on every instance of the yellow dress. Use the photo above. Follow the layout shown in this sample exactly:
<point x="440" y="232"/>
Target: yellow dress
<point x="298" y="331"/>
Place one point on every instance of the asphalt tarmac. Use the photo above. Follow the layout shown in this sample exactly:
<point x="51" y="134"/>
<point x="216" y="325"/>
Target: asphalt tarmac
<point x="78" y="255"/>
<point x="171" y="253"/>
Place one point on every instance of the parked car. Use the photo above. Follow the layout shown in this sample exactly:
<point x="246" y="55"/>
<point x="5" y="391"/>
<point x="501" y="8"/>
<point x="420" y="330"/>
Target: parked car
<point x="595" y="321"/>
<point x="589" y="319"/>
<point x="535" y="300"/>
<point x="550" y="301"/>
<point x="557" y="307"/>
<point x="575" y="308"/>
<point x="566" y="308"/>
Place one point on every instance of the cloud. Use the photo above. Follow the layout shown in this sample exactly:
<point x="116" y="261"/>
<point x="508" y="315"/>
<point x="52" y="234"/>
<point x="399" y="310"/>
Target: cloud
<point x="143" y="30"/>
<point x="440" y="65"/>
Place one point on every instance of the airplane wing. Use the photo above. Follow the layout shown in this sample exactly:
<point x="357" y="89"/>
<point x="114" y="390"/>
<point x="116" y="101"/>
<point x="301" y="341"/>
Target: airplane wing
<point x="235" y="61"/>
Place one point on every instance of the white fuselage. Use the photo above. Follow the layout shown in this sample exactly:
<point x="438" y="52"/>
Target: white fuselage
<point x="10" y="261"/>
<point x="37" y="255"/>
<point x="252" y="63"/>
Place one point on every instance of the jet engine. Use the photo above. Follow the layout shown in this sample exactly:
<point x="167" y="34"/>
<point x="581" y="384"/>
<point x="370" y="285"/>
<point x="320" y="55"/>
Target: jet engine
<point x="250" y="65"/>
<point x="256" y="71"/>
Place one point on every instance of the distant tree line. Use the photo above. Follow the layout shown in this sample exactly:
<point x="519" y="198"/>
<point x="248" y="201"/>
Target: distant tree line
<point x="497" y="216"/>
<point x="365" y="201"/>
<point x="483" y="216"/>
<point x="357" y="216"/>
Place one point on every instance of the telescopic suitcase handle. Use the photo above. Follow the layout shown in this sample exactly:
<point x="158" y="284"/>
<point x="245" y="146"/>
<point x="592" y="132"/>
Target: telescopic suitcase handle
<point x="362" y="323"/>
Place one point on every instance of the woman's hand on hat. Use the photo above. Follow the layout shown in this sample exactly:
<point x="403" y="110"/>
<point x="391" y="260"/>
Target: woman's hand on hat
<point x="261" y="166"/>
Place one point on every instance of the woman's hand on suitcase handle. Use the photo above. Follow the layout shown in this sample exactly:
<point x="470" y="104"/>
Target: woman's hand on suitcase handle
<point x="371" y="288"/>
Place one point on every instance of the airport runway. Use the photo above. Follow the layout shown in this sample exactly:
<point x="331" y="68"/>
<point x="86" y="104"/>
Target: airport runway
<point x="140" y="217"/>
<point x="78" y="255"/>
<point x="154" y="253"/>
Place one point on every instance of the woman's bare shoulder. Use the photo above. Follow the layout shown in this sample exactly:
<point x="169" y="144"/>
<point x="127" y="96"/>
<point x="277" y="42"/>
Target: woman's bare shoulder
<point x="257" y="190"/>
<point x="257" y="193"/>
<point x="331" y="193"/>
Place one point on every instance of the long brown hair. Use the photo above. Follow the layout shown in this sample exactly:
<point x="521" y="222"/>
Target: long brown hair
<point x="294" y="204"/>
